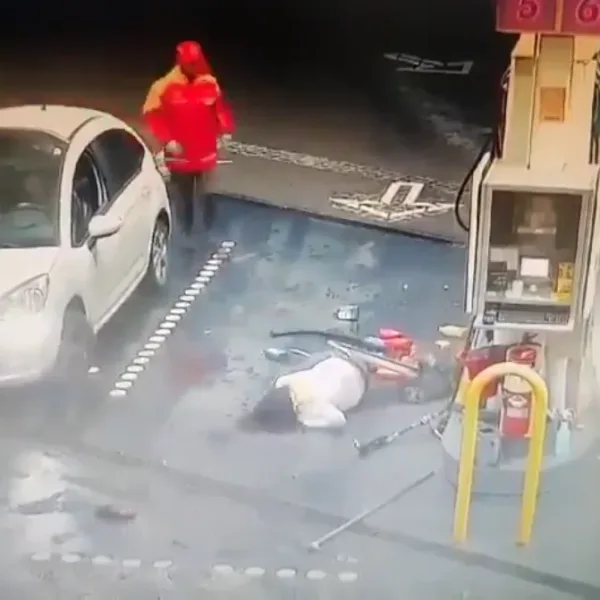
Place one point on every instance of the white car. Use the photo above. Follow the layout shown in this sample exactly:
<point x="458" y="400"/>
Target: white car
<point x="84" y="219"/>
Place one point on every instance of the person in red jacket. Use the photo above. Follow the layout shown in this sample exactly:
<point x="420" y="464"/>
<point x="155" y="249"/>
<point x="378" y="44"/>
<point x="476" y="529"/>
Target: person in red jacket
<point x="187" y="114"/>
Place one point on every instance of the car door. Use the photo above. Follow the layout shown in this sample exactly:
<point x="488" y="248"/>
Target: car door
<point x="93" y="258"/>
<point x="121" y="158"/>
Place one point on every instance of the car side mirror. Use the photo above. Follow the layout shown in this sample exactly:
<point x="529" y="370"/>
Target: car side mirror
<point x="102" y="226"/>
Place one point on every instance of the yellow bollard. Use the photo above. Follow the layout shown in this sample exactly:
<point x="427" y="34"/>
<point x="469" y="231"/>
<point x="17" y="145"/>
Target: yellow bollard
<point x="469" y="444"/>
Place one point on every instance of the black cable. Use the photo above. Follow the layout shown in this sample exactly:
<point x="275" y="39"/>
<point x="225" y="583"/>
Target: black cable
<point x="333" y="336"/>
<point x="492" y="143"/>
<point x="463" y="186"/>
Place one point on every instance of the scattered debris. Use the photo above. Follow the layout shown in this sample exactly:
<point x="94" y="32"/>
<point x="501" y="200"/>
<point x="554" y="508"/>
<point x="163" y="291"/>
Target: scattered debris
<point x="110" y="512"/>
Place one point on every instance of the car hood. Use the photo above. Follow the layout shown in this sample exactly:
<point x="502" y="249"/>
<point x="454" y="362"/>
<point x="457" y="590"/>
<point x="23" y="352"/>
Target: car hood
<point x="17" y="265"/>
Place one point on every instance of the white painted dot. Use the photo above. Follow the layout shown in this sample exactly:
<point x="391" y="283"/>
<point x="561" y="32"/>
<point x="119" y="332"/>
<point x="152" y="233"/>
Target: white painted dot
<point x="227" y="244"/>
<point x="146" y="353"/>
<point x="152" y="346"/>
<point x="131" y="563"/>
<point x="217" y="262"/>
<point x="316" y="575"/>
<point x="347" y="576"/>
<point x="173" y="318"/>
<point x="117" y="393"/>
<point x="167" y="325"/>
<point x="41" y="557"/>
<point x="286" y="573"/>
<point x="187" y="297"/>
<point x="129" y="376"/>
<point x="211" y="268"/>
<point x="71" y="558"/>
<point x="163" y="564"/>
<point x="157" y="339"/>
<point x="227" y="250"/>
<point x="135" y="369"/>
<point x="254" y="572"/>
<point x="93" y="370"/>
<point x="221" y="255"/>
<point x="195" y="290"/>
<point x="182" y="304"/>
<point x="123" y="385"/>
<point x="224" y="569"/>
<point x="178" y="311"/>
<point x="207" y="273"/>
<point x="101" y="560"/>
<point x="141" y="360"/>
<point x="163" y="332"/>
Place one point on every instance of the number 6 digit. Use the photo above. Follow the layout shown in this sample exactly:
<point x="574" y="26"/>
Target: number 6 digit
<point x="588" y="12"/>
<point x="529" y="9"/>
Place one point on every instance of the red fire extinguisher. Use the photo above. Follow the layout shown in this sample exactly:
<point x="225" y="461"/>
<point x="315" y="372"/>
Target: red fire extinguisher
<point x="477" y="360"/>
<point x="515" y="416"/>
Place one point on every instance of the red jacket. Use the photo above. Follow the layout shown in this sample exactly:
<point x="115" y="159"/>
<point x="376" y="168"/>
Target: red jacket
<point x="192" y="113"/>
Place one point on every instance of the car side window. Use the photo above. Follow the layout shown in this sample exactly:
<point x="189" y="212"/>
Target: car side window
<point x="122" y="157"/>
<point x="86" y="197"/>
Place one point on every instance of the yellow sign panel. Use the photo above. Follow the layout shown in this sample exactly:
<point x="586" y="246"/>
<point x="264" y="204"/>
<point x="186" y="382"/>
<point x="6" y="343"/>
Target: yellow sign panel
<point x="564" y="282"/>
<point x="552" y="104"/>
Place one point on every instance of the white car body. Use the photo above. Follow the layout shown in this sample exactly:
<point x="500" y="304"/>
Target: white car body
<point x="97" y="274"/>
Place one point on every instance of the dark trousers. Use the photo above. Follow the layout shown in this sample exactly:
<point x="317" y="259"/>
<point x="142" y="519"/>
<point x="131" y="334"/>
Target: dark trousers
<point x="190" y="196"/>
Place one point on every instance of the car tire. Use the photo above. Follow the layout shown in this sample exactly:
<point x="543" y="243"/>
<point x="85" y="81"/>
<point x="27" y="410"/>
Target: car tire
<point x="75" y="354"/>
<point x="157" y="276"/>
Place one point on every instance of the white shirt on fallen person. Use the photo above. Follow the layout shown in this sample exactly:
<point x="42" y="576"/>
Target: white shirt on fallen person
<point x="321" y="394"/>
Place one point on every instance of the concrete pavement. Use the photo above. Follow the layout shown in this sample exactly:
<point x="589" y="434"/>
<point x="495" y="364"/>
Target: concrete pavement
<point x="160" y="486"/>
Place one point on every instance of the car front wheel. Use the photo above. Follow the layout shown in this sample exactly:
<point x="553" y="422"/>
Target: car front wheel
<point x="158" y="265"/>
<point x="75" y="354"/>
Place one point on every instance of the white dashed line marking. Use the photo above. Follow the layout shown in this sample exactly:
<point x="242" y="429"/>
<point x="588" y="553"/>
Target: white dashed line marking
<point x="101" y="560"/>
<point x="71" y="558"/>
<point x="316" y="575"/>
<point x="131" y="373"/>
<point x="131" y="563"/>
<point x="286" y="573"/>
<point x="41" y="557"/>
<point x="222" y="570"/>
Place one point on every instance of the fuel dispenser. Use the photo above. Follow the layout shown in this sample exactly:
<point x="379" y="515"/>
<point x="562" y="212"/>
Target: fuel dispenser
<point x="534" y="234"/>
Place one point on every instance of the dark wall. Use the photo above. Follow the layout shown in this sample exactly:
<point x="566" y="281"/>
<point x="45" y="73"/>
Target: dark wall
<point x="310" y="34"/>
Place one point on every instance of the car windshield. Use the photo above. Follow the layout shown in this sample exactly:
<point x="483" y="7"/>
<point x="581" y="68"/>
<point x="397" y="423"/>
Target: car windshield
<point x="30" y="167"/>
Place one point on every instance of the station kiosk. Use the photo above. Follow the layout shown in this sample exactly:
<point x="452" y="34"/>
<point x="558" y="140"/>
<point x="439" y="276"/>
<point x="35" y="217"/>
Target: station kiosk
<point x="534" y="247"/>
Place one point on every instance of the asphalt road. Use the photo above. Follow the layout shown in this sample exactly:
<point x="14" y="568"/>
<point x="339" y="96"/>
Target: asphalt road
<point x="327" y="104"/>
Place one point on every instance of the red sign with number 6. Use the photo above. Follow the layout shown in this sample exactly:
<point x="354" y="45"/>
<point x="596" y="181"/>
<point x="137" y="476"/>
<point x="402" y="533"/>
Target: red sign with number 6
<point x="526" y="16"/>
<point x="580" y="17"/>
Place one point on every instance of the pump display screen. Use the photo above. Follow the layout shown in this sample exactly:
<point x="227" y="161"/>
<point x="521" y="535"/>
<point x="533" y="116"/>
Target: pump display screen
<point x="498" y="313"/>
<point x="532" y="251"/>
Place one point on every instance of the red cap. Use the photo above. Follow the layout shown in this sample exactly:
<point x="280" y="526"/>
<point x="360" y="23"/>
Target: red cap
<point x="189" y="55"/>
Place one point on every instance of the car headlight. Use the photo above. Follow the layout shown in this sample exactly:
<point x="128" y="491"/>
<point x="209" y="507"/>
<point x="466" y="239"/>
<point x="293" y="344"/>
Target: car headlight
<point x="28" y="298"/>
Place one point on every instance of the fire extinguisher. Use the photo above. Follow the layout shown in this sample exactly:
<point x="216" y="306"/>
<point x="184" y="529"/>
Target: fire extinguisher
<point x="477" y="360"/>
<point x="515" y="415"/>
